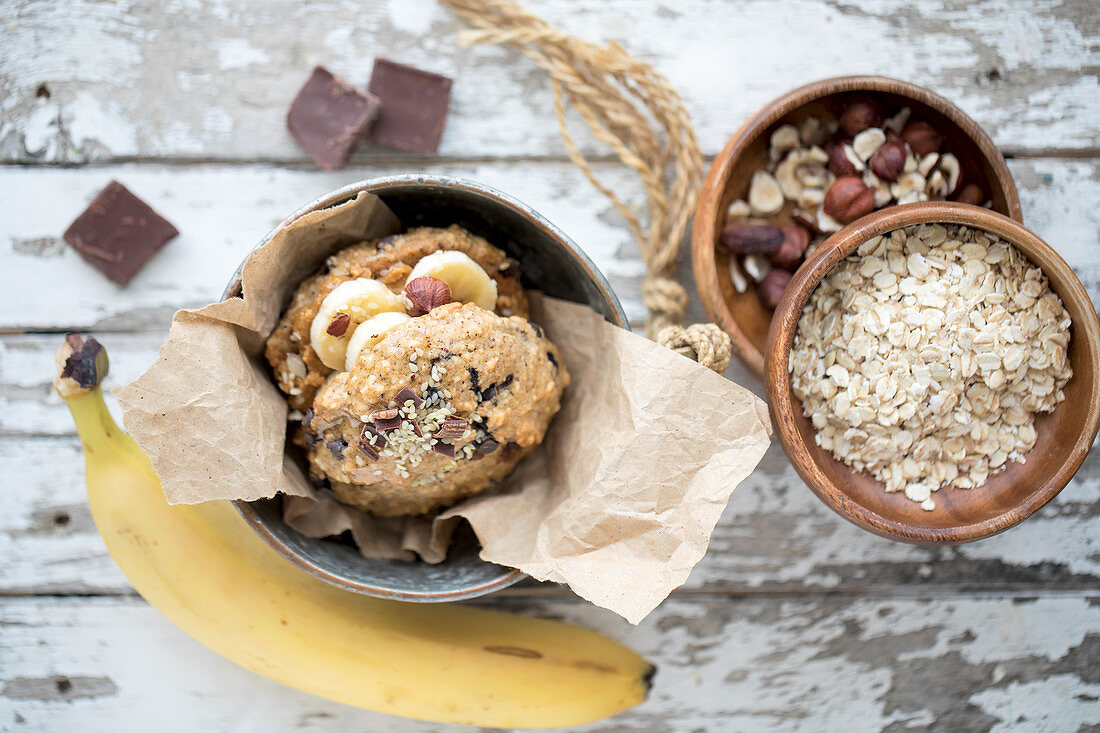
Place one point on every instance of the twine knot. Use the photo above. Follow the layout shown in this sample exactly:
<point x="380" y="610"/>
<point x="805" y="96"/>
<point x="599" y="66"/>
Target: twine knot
<point x="706" y="343"/>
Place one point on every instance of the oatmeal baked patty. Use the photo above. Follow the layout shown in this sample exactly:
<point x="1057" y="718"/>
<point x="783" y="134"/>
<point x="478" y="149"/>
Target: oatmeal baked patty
<point x="441" y="407"/>
<point x="299" y="372"/>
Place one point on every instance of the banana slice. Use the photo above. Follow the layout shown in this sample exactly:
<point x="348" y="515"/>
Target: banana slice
<point x="468" y="282"/>
<point x="341" y="312"/>
<point x="369" y="333"/>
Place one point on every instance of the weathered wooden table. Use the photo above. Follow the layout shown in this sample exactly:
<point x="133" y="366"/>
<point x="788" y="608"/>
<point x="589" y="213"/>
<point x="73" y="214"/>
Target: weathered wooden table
<point x="795" y="620"/>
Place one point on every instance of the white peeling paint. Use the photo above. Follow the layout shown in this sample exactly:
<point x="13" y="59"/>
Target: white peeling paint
<point x="90" y="122"/>
<point x="412" y="16"/>
<point x="41" y="132"/>
<point x="239" y="53"/>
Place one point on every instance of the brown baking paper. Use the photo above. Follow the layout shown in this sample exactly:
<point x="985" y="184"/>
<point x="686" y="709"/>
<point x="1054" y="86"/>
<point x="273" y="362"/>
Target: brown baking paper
<point x="618" y="502"/>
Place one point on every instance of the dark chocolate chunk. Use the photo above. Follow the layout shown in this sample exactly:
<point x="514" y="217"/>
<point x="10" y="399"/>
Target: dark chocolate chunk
<point x="369" y="431"/>
<point x="416" y="428"/>
<point x="536" y="328"/>
<point x="118" y="233"/>
<point x="81" y="364"/>
<point x="414" y="106"/>
<point x="475" y="379"/>
<point x="553" y="359"/>
<point x="445" y="449"/>
<point x="487" y="446"/>
<point x="339" y="325"/>
<point x="386" y="419"/>
<point x="370" y="451"/>
<point x="407" y="394"/>
<point x="329" y="117"/>
<point x="491" y="391"/>
<point x="336" y="448"/>
<point x="452" y="427"/>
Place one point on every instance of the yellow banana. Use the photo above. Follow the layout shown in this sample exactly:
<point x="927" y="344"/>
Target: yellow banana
<point x="349" y="304"/>
<point x="369" y="333"/>
<point x="468" y="281"/>
<point x="213" y="577"/>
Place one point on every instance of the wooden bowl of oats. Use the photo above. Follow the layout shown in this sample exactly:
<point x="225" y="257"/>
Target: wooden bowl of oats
<point x="933" y="372"/>
<point x="937" y="148"/>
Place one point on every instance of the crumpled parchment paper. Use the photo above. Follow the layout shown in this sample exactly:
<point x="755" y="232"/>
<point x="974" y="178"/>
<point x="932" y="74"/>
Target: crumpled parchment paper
<point x="618" y="503"/>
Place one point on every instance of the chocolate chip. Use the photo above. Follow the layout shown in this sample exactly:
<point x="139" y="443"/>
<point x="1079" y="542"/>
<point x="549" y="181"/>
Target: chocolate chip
<point x="475" y="379"/>
<point x="553" y="359"/>
<point x="536" y="328"/>
<point x="487" y="446"/>
<point x="118" y="233"/>
<point x="387" y="241"/>
<point x="444" y="449"/>
<point x="407" y="394"/>
<point x="336" y="448"/>
<point x="379" y="437"/>
<point x="452" y="427"/>
<point x="386" y="419"/>
<point x="492" y="390"/>
<point x="339" y="325"/>
<point x="368" y="450"/>
<point x="329" y="117"/>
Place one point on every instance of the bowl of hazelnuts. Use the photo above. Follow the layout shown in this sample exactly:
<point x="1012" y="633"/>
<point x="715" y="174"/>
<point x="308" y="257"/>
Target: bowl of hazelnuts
<point x="814" y="160"/>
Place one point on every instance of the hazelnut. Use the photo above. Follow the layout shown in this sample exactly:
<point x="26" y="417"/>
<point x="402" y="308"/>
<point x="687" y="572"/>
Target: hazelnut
<point x="888" y="161"/>
<point x="749" y="239"/>
<point x="339" y="325"/>
<point x="789" y="254"/>
<point x="839" y="163"/>
<point x="861" y="113"/>
<point x="770" y="290"/>
<point x="971" y="194"/>
<point x="848" y="199"/>
<point x="422" y="294"/>
<point x="921" y="137"/>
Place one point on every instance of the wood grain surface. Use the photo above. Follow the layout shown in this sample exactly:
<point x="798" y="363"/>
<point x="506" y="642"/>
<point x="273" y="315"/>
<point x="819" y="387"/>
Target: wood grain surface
<point x="795" y="620"/>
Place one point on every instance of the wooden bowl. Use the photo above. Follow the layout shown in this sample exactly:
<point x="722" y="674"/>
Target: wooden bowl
<point x="1064" y="435"/>
<point x="741" y="314"/>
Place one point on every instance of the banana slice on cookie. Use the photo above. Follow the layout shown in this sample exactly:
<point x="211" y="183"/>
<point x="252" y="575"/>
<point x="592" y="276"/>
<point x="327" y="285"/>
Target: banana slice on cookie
<point x="469" y="283"/>
<point x="342" y="311"/>
<point x="369" y="333"/>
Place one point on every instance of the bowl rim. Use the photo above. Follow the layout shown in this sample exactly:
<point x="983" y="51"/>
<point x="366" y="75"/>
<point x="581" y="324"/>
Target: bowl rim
<point x="379" y="185"/>
<point x="704" y="229"/>
<point x="781" y="402"/>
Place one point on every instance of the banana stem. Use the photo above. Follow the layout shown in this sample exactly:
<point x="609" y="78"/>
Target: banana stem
<point x="98" y="431"/>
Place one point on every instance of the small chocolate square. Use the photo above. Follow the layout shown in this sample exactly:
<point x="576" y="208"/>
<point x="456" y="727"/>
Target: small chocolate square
<point x="329" y="117"/>
<point x="118" y="233"/>
<point x="414" y="106"/>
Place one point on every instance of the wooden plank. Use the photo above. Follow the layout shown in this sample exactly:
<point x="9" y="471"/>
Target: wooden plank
<point x="88" y="80"/>
<point x="762" y="664"/>
<point x="775" y="536"/>
<point x="222" y="211"/>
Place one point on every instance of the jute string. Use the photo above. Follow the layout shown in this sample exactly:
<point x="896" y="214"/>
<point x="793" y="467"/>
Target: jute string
<point x="633" y="109"/>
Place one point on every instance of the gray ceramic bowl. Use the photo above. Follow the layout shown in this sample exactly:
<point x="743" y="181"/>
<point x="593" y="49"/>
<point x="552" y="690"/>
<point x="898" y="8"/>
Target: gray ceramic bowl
<point x="550" y="262"/>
